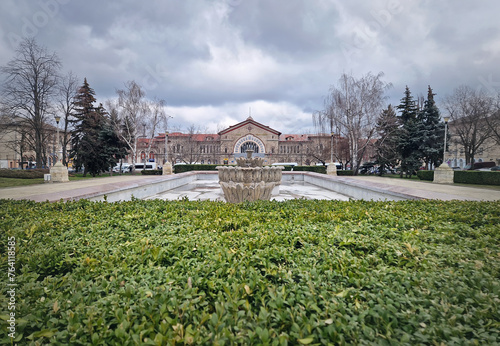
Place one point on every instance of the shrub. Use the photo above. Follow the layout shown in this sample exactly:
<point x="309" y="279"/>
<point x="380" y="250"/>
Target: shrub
<point x="23" y="173"/>
<point x="152" y="172"/>
<point x="425" y="175"/>
<point x="477" y="177"/>
<point x="293" y="272"/>
<point x="348" y="172"/>
<point x="194" y="167"/>
<point x="316" y="169"/>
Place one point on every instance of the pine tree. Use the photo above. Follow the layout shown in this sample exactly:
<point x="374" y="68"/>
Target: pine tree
<point x="114" y="147"/>
<point x="387" y="155"/>
<point x="431" y="131"/>
<point x="409" y="142"/>
<point x="89" y="121"/>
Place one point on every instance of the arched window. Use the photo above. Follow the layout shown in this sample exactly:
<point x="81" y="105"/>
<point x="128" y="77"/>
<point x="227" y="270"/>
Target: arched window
<point x="249" y="146"/>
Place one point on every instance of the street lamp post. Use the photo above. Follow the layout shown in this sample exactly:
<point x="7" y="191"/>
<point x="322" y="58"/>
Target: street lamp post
<point x="167" y="166"/>
<point x="446" y="119"/>
<point x="166" y="146"/>
<point x="58" y="172"/>
<point x="58" y="118"/>
<point x="331" y="148"/>
<point x="444" y="174"/>
<point x="332" y="168"/>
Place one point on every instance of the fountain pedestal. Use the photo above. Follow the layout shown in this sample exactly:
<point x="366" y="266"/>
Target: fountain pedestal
<point x="249" y="181"/>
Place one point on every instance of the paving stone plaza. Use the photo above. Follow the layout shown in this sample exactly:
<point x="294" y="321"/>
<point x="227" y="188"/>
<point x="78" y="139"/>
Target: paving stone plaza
<point x="207" y="189"/>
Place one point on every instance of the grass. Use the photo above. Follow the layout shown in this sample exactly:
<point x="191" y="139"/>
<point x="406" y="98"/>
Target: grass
<point x="14" y="182"/>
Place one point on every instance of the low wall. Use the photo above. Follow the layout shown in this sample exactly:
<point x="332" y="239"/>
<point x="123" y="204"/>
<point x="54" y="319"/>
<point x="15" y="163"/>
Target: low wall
<point x="342" y="185"/>
<point x="140" y="191"/>
<point x="347" y="186"/>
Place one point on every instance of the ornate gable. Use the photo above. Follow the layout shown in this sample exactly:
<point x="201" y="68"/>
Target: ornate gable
<point x="249" y="125"/>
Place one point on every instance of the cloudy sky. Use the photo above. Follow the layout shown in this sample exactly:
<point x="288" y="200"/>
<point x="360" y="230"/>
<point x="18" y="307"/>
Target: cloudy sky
<point x="214" y="61"/>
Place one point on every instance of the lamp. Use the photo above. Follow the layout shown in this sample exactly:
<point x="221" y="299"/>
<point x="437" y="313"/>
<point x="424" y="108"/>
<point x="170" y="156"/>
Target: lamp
<point x="446" y="119"/>
<point x="58" y="118"/>
<point x="331" y="148"/>
<point x="166" y="146"/>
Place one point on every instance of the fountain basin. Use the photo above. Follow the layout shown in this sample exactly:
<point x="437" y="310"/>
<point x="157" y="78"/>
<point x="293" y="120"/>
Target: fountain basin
<point x="240" y="184"/>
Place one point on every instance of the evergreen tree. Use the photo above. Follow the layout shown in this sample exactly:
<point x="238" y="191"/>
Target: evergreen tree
<point x="409" y="142"/>
<point x="114" y="147"/>
<point x="431" y="131"/>
<point x="387" y="145"/>
<point x="89" y="149"/>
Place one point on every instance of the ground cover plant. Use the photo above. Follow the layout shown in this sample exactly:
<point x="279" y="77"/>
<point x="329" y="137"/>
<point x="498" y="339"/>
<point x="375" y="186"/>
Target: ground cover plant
<point x="296" y="272"/>
<point x="13" y="182"/>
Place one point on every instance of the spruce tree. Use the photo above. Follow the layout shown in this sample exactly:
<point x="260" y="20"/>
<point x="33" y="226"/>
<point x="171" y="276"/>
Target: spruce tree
<point x="409" y="141"/>
<point x="431" y="131"/>
<point x="388" y="131"/>
<point x="87" y="146"/>
<point x="114" y="147"/>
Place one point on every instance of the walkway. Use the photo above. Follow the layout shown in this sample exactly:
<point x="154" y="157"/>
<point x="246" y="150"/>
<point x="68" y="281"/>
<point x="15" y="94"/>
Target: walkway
<point x="429" y="190"/>
<point x="86" y="188"/>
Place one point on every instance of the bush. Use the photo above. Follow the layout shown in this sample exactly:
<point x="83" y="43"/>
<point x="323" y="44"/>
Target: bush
<point x="425" y="175"/>
<point x="292" y="272"/>
<point x="24" y="173"/>
<point x="152" y="172"/>
<point x="316" y="169"/>
<point x="345" y="173"/>
<point x="194" y="167"/>
<point x="477" y="177"/>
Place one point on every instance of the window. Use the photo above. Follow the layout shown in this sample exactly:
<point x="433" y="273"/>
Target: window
<point x="249" y="146"/>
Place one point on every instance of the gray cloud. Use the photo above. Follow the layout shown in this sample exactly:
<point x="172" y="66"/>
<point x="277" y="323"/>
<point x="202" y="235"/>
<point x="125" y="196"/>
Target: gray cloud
<point x="223" y="56"/>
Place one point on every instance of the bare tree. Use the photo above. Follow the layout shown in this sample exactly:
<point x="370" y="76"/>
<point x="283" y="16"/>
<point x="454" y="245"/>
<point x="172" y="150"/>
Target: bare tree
<point x="136" y="114"/>
<point x="469" y="111"/>
<point x="68" y="88"/>
<point x="131" y="109"/>
<point x="29" y="87"/>
<point x="191" y="152"/>
<point x="351" y="109"/>
<point x="154" y="117"/>
<point x="493" y="121"/>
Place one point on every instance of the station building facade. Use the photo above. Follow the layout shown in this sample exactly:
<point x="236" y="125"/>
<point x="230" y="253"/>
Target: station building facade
<point x="227" y="145"/>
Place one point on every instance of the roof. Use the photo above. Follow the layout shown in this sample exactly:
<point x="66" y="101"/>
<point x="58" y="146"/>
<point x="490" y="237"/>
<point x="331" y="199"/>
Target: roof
<point x="251" y="122"/>
<point x="294" y="138"/>
<point x="199" y="137"/>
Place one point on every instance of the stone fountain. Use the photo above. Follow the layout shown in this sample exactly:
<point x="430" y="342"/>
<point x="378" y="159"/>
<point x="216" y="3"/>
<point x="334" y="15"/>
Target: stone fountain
<point x="249" y="180"/>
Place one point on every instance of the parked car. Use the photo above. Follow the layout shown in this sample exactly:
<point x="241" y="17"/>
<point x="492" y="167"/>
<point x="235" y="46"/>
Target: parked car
<point x="496" y="168"/>
<point x="125" y="167"/>
<point x="148" y="166"/>
<point x="480" y="166"/>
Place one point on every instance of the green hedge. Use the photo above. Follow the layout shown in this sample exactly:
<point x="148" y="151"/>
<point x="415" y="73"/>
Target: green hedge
<point x="316" y="169"/>
<point x="187" y="168"/>
<point x="152" y="172"/>
<point x="348" y="172"/>
<point x="425" y="175"/>
<point x="23" y="173"/>
<point x="477" y="177"/>
<point x="295" y="272"/>
<point x="193" y="167"/>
